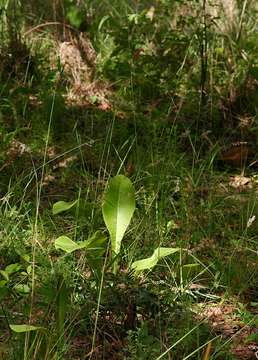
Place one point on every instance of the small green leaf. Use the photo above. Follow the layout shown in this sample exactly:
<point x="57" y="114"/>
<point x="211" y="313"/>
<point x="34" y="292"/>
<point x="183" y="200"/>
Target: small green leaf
<point x="22" y="288"/>
<point x="66" y="244"/>
<point x="150" y="262"/>
<point x="12" y="268"/>
<point x="94" y="99"/>
<point x="24" y="328"/>
<point x="93" y="243"/>
<point x="62" y="206"/>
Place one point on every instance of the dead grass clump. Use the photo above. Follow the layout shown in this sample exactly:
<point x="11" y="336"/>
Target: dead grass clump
<point x="78" y="59"/>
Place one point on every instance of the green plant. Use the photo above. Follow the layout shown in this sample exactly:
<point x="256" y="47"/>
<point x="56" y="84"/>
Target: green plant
<point x="124" y="273"/>
<point x="117" y="209"/>
<point x="15" y="279"/>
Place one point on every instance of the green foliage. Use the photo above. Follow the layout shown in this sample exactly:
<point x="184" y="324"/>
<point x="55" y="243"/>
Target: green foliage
<point x="118" y="208"/>
<point x="173" y="82"/>
<point x="149" y="263"/>
<point x="62" y="206"/>
<point x="93" y="243"/>
<point x="16" y="280"/>
<point x="143" y="345"/>
<point x="75" y="16"/>
<point x="66" y="244"/>
<point x="131" y="45"/>
<point x="23" y="328"/>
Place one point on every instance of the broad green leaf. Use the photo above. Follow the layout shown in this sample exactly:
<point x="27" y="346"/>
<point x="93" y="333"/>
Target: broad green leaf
<point x="150" y="262"/>
<point x="66" y="244"/>
<point x="24" y="328"/>
<point x="62" y="206"/>
<point x="118" y="208"/>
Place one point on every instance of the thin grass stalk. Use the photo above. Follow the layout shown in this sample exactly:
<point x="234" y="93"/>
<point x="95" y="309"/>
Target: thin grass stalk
<point x="98" y="305"/>
<point x="35" y="229"/>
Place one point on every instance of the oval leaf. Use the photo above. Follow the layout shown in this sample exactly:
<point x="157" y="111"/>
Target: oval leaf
<point x="118" y="208"/>
<point x="66" y="244"/>
<point x="95" y="242"/>
<point x="62" y="206"/>
<point x="12" y="268"/>
<point x="150" y="262"/>
<point x="24" y="328"/>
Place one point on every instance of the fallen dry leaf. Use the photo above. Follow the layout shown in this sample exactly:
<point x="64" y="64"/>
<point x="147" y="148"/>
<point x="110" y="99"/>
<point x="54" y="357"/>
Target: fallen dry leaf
<point x="223" y="320"/>
<point x="239" y="181"/>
